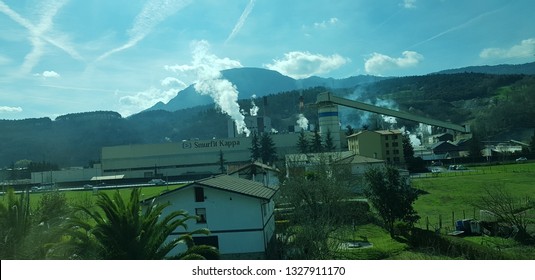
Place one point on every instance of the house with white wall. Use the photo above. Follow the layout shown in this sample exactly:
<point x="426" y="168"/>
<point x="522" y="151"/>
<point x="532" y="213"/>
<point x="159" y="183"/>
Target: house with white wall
<point x="238" y="212"/>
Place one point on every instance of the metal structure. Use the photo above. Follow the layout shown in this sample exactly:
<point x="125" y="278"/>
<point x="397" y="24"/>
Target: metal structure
<point x="328" y="99"/>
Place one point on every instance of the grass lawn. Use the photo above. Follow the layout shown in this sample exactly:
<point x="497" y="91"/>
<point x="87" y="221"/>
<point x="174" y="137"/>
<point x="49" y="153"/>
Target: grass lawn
<point x="86" y="197"/>
<point x="457" y="193"/>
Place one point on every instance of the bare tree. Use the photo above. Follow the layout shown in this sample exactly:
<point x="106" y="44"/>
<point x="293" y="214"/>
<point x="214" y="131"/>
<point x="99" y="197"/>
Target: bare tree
<point x="315" y="193"/>
<point x="508" y="209"/>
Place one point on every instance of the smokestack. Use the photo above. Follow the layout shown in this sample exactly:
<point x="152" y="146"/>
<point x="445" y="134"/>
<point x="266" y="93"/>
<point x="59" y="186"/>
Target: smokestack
<point x="265" y="106"/>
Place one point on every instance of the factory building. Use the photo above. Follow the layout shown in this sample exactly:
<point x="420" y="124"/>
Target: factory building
<point x="192" y="158"/>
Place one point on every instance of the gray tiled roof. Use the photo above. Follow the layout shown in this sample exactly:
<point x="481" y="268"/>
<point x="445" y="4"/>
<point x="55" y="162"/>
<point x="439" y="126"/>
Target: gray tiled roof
<point x="238" y="185"/>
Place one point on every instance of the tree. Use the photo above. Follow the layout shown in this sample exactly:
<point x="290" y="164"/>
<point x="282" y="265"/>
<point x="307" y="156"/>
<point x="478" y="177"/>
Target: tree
<point x="414" y="164"/>
<point x="268" y="151"/>
<point x="391" y="196"/>
<point x="329" y="145"/>
<point x="509" y="210"/>
<point x="316" y="197"/>
<point x="349" y="130"/>
<point x="255" y="147"/>
<point x="15" y="224"/>
<point x="475" y="147"/>
<point x="302" y="143"/>
<point x="122" y="230"/>
<point x="221" y="162"/>
<point x="316" y="145"/>
<point x="532" y="143"/>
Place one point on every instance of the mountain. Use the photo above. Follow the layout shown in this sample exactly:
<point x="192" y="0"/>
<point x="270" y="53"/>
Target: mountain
<point x="260" y="82"/>
<point x="498" y="107"/>
<point x="502" y="69"/>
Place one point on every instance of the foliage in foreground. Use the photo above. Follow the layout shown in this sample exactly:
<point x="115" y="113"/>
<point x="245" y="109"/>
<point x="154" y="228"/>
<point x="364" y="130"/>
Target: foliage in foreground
<point x="125" y="231"/>
<point x="391" y="196"/>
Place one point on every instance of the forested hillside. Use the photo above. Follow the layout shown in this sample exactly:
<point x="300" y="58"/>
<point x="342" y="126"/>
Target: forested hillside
<point x="497" y="106"/>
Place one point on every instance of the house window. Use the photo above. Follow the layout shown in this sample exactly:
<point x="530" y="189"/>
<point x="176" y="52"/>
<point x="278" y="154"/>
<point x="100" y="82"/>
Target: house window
<point x="201" y="215"/>
<point x="396" y="152"/>
<point x="199" y="194"/>
<point x="387" y="152"/>
<point x="395" y="144"/>
<point x="386" y="145"/>
<point x="386" y="137"/>
<point x="206" y="240"/>
<point x="396" y="159"/>
<point x="394" y="137"/>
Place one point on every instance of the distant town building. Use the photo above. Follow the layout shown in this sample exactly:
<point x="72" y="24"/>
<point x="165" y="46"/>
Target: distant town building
<point x="381" y="144"/>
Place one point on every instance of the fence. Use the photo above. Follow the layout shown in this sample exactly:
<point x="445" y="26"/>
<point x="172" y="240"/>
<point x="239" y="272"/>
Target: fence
<point x="479" y="170"/>
<point x="445" y="222"/>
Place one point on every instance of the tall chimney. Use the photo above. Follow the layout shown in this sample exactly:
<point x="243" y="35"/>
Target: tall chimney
<point x="265" y="106"/>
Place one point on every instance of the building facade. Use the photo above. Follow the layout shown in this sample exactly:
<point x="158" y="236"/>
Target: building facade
<point x="381" y="144"/>
<point x="239" y="214"/>
<point x="193" y="157"/>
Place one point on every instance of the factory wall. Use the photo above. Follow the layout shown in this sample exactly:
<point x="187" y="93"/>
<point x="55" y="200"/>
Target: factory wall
<point x="184" y="158"/>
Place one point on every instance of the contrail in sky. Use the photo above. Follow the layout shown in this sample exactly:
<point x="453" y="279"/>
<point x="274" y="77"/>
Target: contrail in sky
<point x="241" y="21"/>
<point x="37" y="32"/>
<point x="153" y="13"/>
<point x="463" y="25"/>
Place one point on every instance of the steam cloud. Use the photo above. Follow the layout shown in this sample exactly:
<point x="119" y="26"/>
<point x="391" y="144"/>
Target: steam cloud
<point x="206" y="68"/>
<point x="302" y="122"/>
<point x="254" y="109"/>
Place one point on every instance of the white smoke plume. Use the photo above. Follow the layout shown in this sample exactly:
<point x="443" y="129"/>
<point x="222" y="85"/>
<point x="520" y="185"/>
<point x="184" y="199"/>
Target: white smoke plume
<point x="206" y="68"/>
<point x="254" y="109"/>
<point x="302" y="122"/>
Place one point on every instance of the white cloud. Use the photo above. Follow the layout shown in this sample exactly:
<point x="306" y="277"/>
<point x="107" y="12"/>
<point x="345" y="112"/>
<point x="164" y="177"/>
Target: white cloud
<point x="326" y="23"/>
<point x="51" y="74"/>
<point x="6" y="109"/>
<point x="153" y="13"/>
<point x="203" y="62"/>
<point x="145" y="99"/>
<point x="173" y="82"/>
<point x="378" y="63"/>
<point x="48" y="74"/>
<point x="241" y="20"/>
<point x="409" y="4"/>
<point x="526" y="48"/>
<point x="300" y="65"/>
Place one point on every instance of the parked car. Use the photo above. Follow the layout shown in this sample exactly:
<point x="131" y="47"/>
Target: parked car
<point x="157" y="182"/>
<point x="88" y="186"/>
<point x="521" y="159"/>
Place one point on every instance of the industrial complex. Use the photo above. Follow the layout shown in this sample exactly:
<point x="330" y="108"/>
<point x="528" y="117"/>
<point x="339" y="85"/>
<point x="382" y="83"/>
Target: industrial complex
<point x="200" y="158"/>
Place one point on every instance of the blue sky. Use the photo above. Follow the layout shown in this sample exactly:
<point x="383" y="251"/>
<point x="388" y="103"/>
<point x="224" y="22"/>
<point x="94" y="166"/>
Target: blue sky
<point x="60" y="56"/>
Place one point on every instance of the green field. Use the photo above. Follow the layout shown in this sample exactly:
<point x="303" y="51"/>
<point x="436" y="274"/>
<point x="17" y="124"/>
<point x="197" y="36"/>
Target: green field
<point x="87" y="197"/>
<point x="452" y="195"/>
<point x="449" y="192"/>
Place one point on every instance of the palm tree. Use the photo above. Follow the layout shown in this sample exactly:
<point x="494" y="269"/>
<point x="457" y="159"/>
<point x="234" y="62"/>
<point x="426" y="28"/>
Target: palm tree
<point x="119" y="230"/>
<point x="15" y="224"/>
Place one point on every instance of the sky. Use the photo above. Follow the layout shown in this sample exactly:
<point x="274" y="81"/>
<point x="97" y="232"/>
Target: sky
<point x="61" y="56"/>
